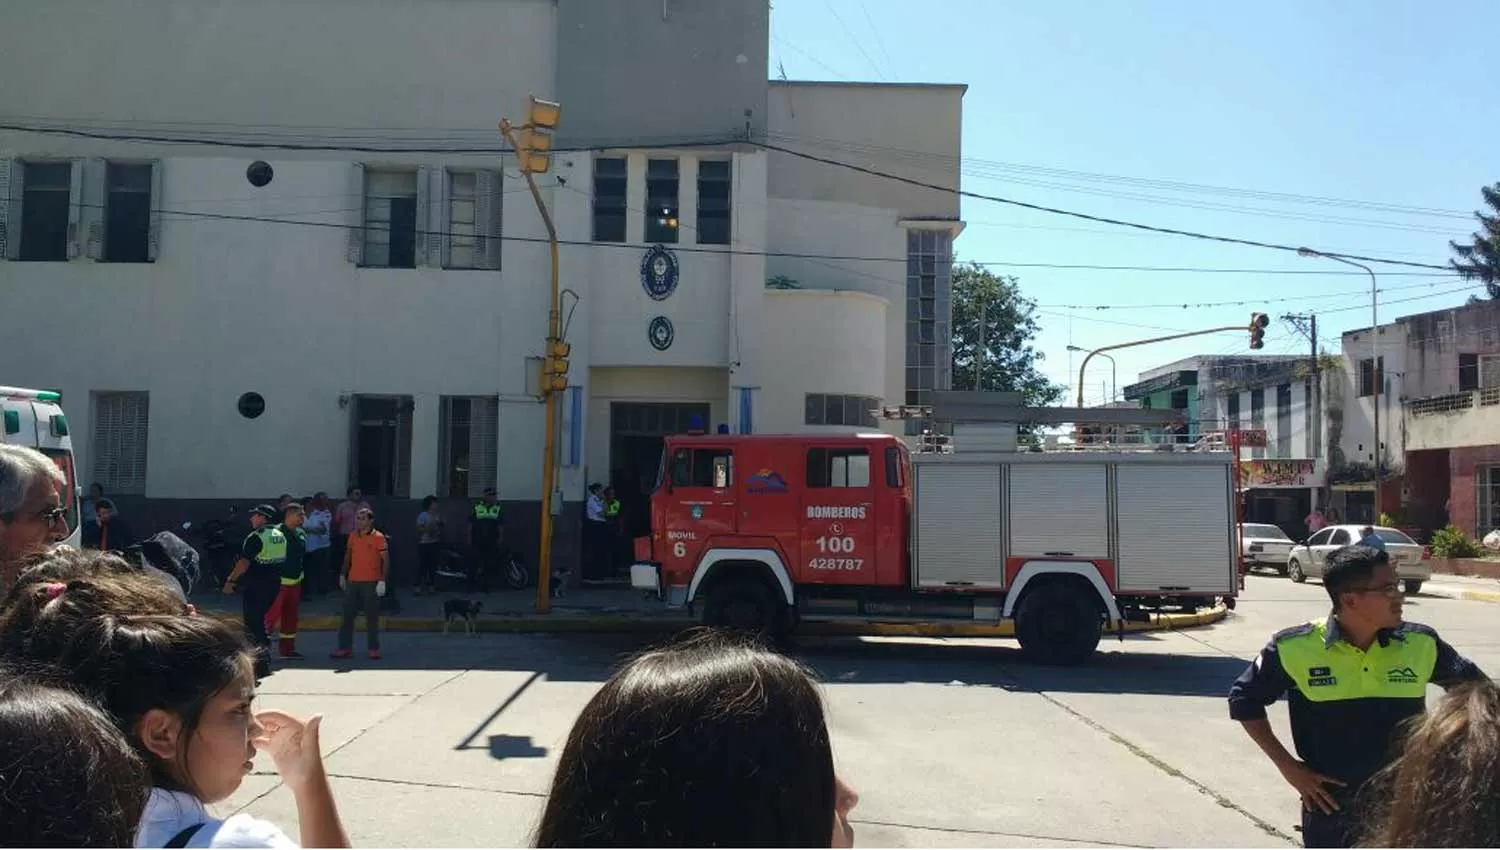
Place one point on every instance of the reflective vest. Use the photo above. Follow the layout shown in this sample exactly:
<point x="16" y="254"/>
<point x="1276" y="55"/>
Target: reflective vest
<point x="487" y="512"/>
<point x="272" y="545"/>
<point x="613" y="508"/>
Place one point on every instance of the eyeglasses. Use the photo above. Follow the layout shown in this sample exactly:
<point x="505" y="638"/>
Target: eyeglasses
<point x="50" y="516"/>
<point x="1389" y="589"/>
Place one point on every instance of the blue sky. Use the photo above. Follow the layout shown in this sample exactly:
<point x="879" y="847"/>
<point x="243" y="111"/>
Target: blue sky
<point x="1370" y="102"/>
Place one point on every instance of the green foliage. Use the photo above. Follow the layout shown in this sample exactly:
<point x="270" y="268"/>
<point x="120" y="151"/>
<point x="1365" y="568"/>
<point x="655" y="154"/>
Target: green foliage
<point x="1389" y="520"/>
<point x="1008" y="361"/>
<point x="1452" y="543"/>
<point x="1480" y="259"/>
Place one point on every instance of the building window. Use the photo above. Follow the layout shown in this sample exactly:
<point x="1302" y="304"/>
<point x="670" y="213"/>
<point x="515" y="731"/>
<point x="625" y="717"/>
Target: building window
<point x="463" y="230"/>
<point x="838" y="409"/>
<point x="609" y="199"/>
<point x="1257" y="417"/>
<point x="127" y="213"/>
<point x="1367" y="377"/>
<point x="120" y="426"/>
<point x="1284" y="420"/>
<point x="380" y="450"/>
<point x="703" y="468"/>
<point x="929" y="315"/>
<point x="661" y="200"/>
<point x="467" y="447"/>
<point x="1486" y="500"/>
<point x="463" y="233"/>
<point x="46" y="203"/>
<point x="1232" y="409"/>
<point x="1478" y="371"/>
<point x="841" y="468"/>
<point x="390" y="225"/>
<point x="713" y="202"/>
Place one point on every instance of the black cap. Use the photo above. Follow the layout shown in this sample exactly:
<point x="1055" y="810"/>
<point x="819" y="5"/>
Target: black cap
<point x="266" y="511"/>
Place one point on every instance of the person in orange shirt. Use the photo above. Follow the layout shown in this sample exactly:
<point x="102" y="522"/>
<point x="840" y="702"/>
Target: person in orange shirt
<point x="366" y="564"/>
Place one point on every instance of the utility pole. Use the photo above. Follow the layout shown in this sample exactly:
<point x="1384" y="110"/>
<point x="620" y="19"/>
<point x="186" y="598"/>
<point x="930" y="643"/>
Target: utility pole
<point x="534" y="156"/>
<point x="1307" y="325"/>
<point x="984" y="317"/>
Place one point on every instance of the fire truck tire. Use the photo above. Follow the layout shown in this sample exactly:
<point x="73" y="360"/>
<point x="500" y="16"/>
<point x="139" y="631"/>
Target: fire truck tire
<point x="745" y="604"/>
<point x="1059" y="624"/>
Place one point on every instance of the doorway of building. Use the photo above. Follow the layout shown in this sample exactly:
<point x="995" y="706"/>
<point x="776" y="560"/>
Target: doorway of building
<point x="1286" y="509"/>
<point x="380" y="445"/>
<point x="636" y="432"/>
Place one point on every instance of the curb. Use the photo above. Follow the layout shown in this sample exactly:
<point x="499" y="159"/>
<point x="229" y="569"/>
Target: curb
<point x="1457" y="593"/>
<point x="626" y="624"/>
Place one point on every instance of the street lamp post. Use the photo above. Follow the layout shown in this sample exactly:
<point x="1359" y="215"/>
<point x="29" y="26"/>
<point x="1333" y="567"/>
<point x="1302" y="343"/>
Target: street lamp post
<point x="1114" y="371"/>
<point x="1377" y="375"/>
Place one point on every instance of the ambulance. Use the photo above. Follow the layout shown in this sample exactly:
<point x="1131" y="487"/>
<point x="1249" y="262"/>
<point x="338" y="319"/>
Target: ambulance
<point x="35" y="418"/>
<point x="761" y="532"/>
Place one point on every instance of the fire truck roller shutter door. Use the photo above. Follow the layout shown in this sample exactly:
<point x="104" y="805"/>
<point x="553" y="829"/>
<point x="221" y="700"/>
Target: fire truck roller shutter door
<point x="1033" y="569"/>
<point x="766" y="557"/>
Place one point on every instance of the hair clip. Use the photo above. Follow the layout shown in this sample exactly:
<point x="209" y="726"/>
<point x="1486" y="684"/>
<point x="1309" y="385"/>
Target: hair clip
<point x="55" y="589"/>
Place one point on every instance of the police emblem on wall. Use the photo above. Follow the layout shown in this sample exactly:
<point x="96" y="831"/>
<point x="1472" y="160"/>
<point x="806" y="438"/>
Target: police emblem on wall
<point x="661" y="333"/>
<point x="659" y="272"/>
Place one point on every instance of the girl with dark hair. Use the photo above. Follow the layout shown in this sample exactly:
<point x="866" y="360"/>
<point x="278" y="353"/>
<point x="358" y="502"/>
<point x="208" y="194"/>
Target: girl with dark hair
<point x="180" y="688"/>
<point x="1444" y="789"/>
<point x="68" y="778"/>
<point x="705" y="744"/>
<point x="429" y="545"/>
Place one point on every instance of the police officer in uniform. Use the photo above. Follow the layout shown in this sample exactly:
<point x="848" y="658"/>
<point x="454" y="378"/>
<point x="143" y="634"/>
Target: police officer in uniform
<point x="262" y="556"/>
<point x="1351" y="681"/>
<point x="486" y="528"/>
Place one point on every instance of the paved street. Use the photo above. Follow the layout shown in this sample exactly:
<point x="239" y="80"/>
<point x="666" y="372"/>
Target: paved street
<point x="451" y="741"/>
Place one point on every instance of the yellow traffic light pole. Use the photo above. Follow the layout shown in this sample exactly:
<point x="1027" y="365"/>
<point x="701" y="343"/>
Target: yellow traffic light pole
<point x="533" y="156"/>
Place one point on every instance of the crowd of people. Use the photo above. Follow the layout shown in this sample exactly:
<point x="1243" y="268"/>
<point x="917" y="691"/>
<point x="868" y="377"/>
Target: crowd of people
<point x="125" y="715"/>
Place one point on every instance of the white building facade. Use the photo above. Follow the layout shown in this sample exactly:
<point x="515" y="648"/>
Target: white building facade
<point x="286" y="265"/>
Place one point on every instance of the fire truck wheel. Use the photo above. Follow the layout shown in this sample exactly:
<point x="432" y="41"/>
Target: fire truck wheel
<point x="745" y="604"/>
<point x="1058" y="623"/>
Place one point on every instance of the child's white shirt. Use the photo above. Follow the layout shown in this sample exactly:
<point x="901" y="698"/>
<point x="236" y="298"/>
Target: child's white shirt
<point x="168" y="813"/>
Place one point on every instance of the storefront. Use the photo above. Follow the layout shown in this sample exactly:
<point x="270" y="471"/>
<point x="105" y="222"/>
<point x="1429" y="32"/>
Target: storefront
<point x="1281" y="491"/>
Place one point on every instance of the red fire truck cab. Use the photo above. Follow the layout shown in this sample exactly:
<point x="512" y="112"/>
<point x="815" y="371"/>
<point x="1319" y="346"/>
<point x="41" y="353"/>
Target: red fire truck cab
<point x="761" y="532"/>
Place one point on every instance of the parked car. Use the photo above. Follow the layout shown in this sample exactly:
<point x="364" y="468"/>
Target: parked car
<point x="1410" y="558"/>
<point x="1265" y="545"/>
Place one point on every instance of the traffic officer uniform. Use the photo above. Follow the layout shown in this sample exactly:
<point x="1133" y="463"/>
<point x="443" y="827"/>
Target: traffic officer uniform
<point x="266" y="549"/>
<point x="282" y="616"/>
<point x="486" y="522"/>
<point x="1347" y="705"/>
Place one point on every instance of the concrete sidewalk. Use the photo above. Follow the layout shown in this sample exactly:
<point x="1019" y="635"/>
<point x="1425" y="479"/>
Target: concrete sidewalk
<point x="618" y="608"/>
<point x="1471" y="588"/>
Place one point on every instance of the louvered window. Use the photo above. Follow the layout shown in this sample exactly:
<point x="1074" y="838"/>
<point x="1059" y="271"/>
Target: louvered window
<point x="120" y="426"/>
<point x="468" y="452"/>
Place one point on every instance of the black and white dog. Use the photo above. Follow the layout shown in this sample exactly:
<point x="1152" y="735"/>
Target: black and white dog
<point x="466" y="610"/>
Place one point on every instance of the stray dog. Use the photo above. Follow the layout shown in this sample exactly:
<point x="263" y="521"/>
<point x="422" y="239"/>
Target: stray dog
<point x="461" y="609"/>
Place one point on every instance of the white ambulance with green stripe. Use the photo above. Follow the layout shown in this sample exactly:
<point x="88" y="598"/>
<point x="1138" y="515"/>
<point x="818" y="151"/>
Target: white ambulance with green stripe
<point x="35" y="418"/>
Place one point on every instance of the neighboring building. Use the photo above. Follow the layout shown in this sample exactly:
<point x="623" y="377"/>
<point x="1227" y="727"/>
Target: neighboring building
<point x="369" y="307"/>
<point x="1275" y="394"/>
<point x="1440" y="415"/>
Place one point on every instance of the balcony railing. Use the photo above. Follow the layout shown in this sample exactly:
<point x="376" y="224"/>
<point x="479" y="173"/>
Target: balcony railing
<point x="1454" y="402"/>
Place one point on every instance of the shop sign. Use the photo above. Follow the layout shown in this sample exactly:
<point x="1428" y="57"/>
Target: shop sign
<point x="1266" y="472"/>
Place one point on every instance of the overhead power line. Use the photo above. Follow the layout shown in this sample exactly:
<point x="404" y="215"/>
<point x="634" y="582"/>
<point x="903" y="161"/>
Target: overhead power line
<point x="1230" y="240"/>
<point x="1254" y="301"/>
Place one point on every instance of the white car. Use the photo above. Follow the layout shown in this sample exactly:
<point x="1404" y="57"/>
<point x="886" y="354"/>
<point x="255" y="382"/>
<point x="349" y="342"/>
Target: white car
<point x="1409" y="557"/>
<point x="1265" y="545"/>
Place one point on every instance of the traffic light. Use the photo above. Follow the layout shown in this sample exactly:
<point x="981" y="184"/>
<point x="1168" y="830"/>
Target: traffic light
<point x="534" y="152"/>
<point x="555" y="367"/>
<point x="1258" y="324"/>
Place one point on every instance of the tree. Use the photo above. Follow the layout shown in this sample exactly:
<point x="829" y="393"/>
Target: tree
<point x="1480" y="259"/>
<point x="1008" y="362"/>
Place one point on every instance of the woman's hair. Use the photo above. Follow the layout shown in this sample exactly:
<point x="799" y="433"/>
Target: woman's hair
<point x="67" y="585"/>
<point x="68" y="778"/>
<point x="1441" y="791"/>
<point x="126" y="640"/>
<point x="707" y="743"/>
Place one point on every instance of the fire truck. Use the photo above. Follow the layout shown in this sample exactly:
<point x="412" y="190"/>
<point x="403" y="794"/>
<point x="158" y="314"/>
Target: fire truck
<point x="762" y="532"/>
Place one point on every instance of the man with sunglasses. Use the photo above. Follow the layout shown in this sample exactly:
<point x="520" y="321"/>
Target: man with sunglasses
<point x="1351" y="681"/>
<point x="32" y="515"/>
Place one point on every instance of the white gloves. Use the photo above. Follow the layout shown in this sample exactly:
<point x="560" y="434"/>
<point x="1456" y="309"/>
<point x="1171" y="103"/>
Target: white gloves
<point x="380" y="588"/>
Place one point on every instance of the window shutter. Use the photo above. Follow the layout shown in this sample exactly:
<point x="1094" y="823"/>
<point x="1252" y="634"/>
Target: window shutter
<point x="438" y="224"/>
<point x="137" y="419"/>
<point x="10" y="212"/>
<point x="94" y="174"/>
<point x="488" y="203"/>
<point x="424" y="216"/>
<point x="77" y="215"/>
<point x="484" y="414"/>
<point x="356" y="251"/>
<point x="153" y="232"/>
